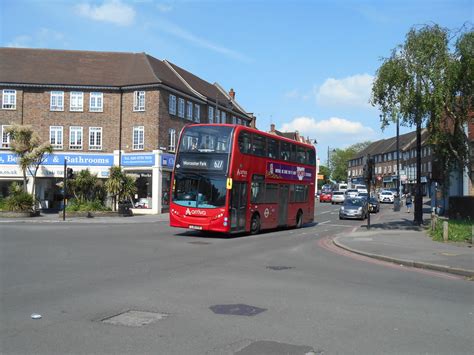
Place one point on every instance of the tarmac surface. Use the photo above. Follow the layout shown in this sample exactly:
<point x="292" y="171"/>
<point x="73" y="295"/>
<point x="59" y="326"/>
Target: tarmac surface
<point x="392" y="237"/>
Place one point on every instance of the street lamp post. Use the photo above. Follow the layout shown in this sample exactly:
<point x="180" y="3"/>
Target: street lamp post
<point x="396" y="204"/>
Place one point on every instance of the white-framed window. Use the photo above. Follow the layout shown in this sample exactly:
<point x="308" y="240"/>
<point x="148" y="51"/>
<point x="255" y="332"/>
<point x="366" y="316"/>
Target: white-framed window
<point x="429" y="167"/>
<point x="9" y="99"/>
<point x="57" y="101"/>
<point x="181" y="107"/>
<point x="139" y="101"/>
<point x="75" y="138"/>
<point x="197" y="113"/>
<point x="76" y="101"/>
<point x="172" y="139"/>
<point x="56" y="137"/>
<point x="138" y="137"/>
<point x="5" y="137"/>
<point x="218" y="116"/>
<point x="234" y="119"/>
<point x="239" y="121"/>
<point x="95" y="138"/>
<point x="96" y="102"/>
<point x="223" y="117"/>
<point x="210" y="114"/>
<point x="172" y="105"/>
<point x="189" y="111"/>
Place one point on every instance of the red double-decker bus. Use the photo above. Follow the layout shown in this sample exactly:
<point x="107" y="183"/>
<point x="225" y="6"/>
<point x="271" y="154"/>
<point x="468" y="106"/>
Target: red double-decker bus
<point x="231" y="179"/>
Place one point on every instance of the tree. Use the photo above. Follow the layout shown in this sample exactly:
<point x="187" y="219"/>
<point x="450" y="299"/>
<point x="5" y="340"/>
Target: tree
<point x="120" y="185"/>
<point x="323" y="170"/>
<point x="340" y="158"/>
<point x="423" y="83"/>
<point x="31" y="152"/>
<point x="86" y="187"/>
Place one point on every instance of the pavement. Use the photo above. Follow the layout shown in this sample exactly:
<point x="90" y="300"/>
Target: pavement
<point x="393" y="237"/>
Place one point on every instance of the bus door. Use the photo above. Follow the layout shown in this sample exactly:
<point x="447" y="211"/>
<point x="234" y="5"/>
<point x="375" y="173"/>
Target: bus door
<point x="283" y="205"/>
<point x="238" y="206"/>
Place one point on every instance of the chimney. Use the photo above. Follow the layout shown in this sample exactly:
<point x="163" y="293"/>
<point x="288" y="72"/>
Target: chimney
<point x="272" y="127"/>
<point x="232" y="94"/>
<point x="297" y="136"/>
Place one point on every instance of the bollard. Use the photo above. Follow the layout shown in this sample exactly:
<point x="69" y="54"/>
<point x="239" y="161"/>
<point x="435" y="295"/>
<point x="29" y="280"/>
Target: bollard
<point x="445" y="231"/>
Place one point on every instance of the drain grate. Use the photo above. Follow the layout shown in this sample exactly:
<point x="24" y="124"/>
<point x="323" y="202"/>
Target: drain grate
<point x="135" y="318"/>
<point x="279" y="268"/>
<point x="275" y="348"/>
<point x="199" y="243"/>
<point x="237" y="309"/>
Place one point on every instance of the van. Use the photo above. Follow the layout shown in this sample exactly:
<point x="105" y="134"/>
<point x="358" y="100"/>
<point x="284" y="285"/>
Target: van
<point x="361" y="188"/>
<point x="342" y="187"/>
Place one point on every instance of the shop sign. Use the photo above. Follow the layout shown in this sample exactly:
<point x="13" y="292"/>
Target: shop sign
<point x="167" y="161"/>
<point x="10" y="171"/>
<point x="290" y="172"/>
<point x="138" y="160"/>
<point x="387" y="179"/>
<point x="424" y="179"/>
<point x="72" y="159"/>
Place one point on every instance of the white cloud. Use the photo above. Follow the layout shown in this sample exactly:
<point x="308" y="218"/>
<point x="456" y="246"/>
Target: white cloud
<point x="41" y="38"/>
<point x="179" y="32"/>
<point x="113" y="11"/>
<point x="353" y="91"/>
<point x="164" y="7"/>
<point x="22" y="41"/>
<point x="334" y="130"/>
<point x="297" y="95"/>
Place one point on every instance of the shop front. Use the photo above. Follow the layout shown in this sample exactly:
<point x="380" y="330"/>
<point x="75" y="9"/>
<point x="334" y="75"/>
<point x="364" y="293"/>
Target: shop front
<point x="152" y="173"/>
<point x="49" y="177"/>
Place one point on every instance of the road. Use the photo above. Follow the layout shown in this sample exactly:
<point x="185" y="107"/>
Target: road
<point x="312" y="298"/>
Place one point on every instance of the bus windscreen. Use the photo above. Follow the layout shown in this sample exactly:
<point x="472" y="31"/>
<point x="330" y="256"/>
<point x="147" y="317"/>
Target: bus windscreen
<point x="206" y="139"/>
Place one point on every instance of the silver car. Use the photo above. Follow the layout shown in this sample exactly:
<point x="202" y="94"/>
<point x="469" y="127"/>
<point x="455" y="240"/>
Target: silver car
<point x="338" y="197"/>
<point x="354" y="208"/>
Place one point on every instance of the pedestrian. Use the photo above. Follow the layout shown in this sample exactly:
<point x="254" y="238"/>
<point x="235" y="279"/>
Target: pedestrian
<point x="409" y="202"/>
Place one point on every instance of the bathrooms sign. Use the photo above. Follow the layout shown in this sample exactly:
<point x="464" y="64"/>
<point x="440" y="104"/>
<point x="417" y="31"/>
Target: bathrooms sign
<point x="71" y="159"/>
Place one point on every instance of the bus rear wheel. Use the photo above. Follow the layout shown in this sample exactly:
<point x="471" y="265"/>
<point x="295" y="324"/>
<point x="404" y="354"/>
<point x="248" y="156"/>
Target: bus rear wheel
<point x="299" y="219"/>
<point x="255" y="224"/>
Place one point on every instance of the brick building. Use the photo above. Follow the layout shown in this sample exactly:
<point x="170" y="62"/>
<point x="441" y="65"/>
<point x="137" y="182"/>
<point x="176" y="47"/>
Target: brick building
<point x="100" y="109"/>
<point x="384" y="154"/>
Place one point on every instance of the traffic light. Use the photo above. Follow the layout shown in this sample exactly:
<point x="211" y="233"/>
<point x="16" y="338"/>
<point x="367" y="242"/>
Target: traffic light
<point x="70" y="173"/>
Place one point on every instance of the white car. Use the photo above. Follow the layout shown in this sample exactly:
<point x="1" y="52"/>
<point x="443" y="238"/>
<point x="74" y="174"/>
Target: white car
<point x="351" y="193"/>
<point x="386" y="196"/>
<point x="338" y="197"/>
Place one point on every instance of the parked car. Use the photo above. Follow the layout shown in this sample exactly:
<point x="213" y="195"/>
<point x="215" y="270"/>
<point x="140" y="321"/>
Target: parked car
<point x="338" y="197"/>
<point x="374" y="205"/>
<point x="395" y="191"/>
<point x="354" y="208"/>
<point x="326" y="196"/>
<point x="386" y="196"/>
<point x="351" y="193"/>
<point x="363" y="195"/>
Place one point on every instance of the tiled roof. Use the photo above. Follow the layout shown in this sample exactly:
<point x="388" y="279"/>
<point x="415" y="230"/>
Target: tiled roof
<point x="104" y="69"/>
<point x="406" y="141"/>
<point x="82" y="68"/>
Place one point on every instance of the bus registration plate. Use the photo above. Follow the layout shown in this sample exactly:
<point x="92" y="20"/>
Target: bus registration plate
<point x="195" y="227"/>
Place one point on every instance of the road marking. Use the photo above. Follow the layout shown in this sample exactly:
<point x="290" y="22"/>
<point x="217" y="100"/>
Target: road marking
<point x="325" y="212"/>
<point x="324" y="222"/>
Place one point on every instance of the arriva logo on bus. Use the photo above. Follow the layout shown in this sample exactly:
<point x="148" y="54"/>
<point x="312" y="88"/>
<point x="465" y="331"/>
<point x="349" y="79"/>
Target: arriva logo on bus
<point x="195" y="212"/>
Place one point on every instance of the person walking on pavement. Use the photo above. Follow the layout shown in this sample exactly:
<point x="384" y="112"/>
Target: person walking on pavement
<point x="409" y="202"/>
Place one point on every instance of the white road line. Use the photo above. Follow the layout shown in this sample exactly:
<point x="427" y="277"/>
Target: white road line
<point x="324" y="222"/>
<point x="325" y="212"/>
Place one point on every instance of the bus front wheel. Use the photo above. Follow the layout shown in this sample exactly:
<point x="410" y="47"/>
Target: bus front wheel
<point x="299" y="219"/>
<point x="255" y="224"/>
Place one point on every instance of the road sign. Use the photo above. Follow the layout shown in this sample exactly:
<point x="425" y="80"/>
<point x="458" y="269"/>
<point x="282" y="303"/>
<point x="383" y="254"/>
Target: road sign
<point x="320" y="177"/>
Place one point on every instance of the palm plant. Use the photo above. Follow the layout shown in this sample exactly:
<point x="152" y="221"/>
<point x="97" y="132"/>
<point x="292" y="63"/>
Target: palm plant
<point x="119" y="185"/>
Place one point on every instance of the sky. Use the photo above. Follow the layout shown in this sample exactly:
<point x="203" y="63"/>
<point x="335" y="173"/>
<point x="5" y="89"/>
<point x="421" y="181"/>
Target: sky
<point x="301" y="65"/>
